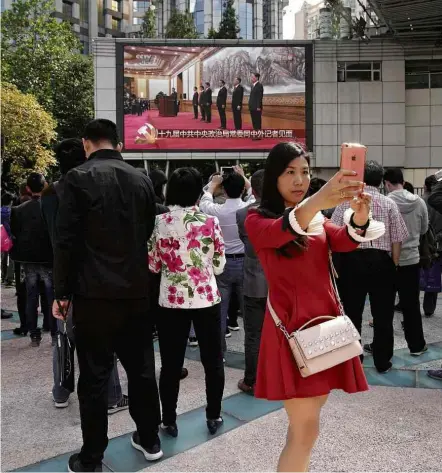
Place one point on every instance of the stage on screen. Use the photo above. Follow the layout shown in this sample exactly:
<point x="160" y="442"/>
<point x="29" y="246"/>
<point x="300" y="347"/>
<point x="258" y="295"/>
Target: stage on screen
<point x="213" y="98"/>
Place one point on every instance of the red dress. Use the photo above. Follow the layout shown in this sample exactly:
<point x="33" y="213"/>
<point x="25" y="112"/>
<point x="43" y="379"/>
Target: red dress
<point x="300" y="290"/>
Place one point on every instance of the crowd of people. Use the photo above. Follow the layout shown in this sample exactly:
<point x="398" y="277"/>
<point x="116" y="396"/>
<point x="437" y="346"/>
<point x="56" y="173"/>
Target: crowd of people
<point x="125" y="257"/>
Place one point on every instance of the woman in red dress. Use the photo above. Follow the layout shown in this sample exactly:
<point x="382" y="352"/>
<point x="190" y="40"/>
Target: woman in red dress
<point x="292" y="240"/>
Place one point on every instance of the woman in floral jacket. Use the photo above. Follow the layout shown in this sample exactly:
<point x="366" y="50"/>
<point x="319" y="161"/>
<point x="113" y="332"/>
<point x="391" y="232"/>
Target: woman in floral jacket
<point x="187" y="249"/>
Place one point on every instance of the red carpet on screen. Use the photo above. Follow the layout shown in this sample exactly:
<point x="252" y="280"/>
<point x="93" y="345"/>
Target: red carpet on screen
<point x="185" y="121"/>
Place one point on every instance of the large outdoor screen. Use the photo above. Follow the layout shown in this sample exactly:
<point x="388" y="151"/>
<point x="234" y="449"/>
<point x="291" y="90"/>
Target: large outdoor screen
<point x="196" y="98"/>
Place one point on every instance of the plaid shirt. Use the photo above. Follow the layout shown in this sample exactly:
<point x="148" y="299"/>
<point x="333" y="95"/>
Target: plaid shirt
<point x="384" y="210"/>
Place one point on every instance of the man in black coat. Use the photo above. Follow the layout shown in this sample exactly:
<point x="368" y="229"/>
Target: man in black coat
<point x="208" y="102"/>
<point x="33" y="250"/>
<point x="174" y="96"/>
<point x="195" y="103"/>
<point x="237" y="98"/>
<point x="104" y="221"/>
<point x="221" y="102"/>
<point x="201" y="103"/>
<point x="255" y="102"/>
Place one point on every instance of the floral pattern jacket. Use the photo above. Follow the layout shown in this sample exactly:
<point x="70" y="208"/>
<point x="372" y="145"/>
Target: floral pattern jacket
<point x="187" y="248"/>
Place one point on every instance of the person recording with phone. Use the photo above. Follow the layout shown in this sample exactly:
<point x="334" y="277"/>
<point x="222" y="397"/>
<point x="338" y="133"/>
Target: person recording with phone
<point x="232" y="277"/>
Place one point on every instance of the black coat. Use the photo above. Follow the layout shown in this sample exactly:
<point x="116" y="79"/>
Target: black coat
<point x="174" y="96"/>
<point x="31" y="238"/>
<point x="202" y="100"/>
<point x="195" y="99"/>
<point x="237" y="97"/>
<point x="255" y="98"/>
<point x="208" y="96"/>
<point x="221" y="100"/>
<point x="104" y="221"/>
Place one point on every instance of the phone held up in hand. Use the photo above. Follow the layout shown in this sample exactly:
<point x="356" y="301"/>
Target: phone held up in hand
<point x="353" y="157"/>
<point x="438" y="175"/>
<point x="225" y="170"/>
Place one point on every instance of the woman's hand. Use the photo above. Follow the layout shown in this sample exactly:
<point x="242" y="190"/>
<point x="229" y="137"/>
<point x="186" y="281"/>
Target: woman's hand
<point x="361" y="206"/>
<point x="340" y="188"/>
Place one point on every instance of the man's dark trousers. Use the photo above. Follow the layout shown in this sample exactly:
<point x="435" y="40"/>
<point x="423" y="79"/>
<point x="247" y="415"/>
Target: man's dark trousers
<point x="195" y="111"/>
<point x="370" y="272"/>
<point x="254" y="312"/>
<point x="104" y="327"/>
<point x="222" y="116"/>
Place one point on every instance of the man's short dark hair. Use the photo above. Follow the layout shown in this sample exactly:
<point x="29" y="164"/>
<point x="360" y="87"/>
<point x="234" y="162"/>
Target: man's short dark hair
<point x="394" y="176"/>
<point x="222" y="82"/>
<point x="195" y="88"/>
<point x="208" y="84"/>
<point x="408" y="186"/>
<point x="238" y="79"/>
<point x="234" y="185"/>
<point x="7" y="198"/>
<point x="374" y="174"/>
<point x="102" y="130"/>
<point x="69" y="154"/>
<point x="201" y="86"/>
<point x="430" y="182"/>
<point x="36" y="182"/>
<point x="257" y="75"/>
<point x="257" y="181"/>
<point x="184" y="187"/>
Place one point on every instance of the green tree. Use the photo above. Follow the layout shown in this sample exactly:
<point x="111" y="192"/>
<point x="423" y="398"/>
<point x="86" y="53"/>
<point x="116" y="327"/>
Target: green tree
<point x="229" y="28"/>
<point x="27" y="135"/>
<point x="181" y="26"/>
<point x="43" y="57"/>
<point x="213" y="34"/>
<point x="148" y="27"/>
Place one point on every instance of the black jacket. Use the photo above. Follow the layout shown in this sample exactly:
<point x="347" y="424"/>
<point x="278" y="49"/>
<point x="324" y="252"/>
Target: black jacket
<point x="237" y="97"/>
<point x="174" y="95"/>
<point x="105" y="218"/>
<point x="202" y="100"/>
<point x="49" y="206"/>
<point x="195" y="99"/>
<point x="255" y="98"/>
<point x="31" y="238"/>
<point x="222" y="97"/>
<point x="208" y="96"/>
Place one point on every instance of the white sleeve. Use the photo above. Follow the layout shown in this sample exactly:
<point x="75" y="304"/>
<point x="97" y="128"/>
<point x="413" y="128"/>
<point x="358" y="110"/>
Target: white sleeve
<point x="374" y="231"/>
<point x="208" y="206"/>
<point x="315" y="227"/>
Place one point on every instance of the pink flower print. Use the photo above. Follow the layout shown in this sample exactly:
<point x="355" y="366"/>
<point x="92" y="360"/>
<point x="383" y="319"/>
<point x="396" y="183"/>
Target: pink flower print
<point x="208" y="288"/>
<point x="210" y="222"/>
<point x="195" y="275"/>
<point x="171" y="298"/>
<point x="168" y="218"/>
<point x="164" y="243"/>
<point x="180" y="300"/>
<point x="210" y="297"/>
<point x="218" y="293"/>
<point x="172" y="289"/>
<point x="175" y="265"/>
<point x="166" y="257"/>
<point x="200" y="290"/>
<point x="219" y="247"/>
<point x="193" y="244"/>
<point x="206" y="230"/>
<point x="193" y="233"/>
<point x="175" y="244"/>
<point x="158" y="266"/>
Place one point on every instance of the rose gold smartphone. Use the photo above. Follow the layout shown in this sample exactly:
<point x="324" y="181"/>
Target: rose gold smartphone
<point x="353" y="156"/>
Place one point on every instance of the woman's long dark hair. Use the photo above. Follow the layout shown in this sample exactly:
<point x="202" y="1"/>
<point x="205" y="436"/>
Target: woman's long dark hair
<point x="158" y="179"/>
<point x="272" y="202"/>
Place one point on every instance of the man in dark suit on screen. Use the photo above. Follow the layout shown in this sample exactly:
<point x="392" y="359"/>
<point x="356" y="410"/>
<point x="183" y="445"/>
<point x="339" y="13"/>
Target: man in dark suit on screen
<point x="208" y="102"/>
<point x="221" y="102"/>
<point x="195" y="103"/>
<point x="255" y="103"/>
<point x="201" y="103"/>
<point x="237" y="98"/>
<point x="174" y="96"/>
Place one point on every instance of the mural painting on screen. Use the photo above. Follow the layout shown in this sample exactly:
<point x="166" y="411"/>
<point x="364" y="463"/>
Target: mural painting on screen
<point x="213" y="98"/>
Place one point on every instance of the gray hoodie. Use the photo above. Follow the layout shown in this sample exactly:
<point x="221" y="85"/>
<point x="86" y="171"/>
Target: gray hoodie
<point x="415" y="214"/>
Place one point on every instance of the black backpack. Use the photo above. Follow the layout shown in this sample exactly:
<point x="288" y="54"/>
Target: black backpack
<point x="428" y="248"/>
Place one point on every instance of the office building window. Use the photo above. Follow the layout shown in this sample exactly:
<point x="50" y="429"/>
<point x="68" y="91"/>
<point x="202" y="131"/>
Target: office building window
<point x="100" y="11"/>
<point x="116" y="24"/>
<point x="116" y="5"/>
<point x="67" y="9"/>
<point x="359" y="71"/>
<point x="246" y="19"/>
<point x="197" y="10"/>
<point x="84" y="11"/>
<point x="423" y="74"/>
<point x="141" y="6"/>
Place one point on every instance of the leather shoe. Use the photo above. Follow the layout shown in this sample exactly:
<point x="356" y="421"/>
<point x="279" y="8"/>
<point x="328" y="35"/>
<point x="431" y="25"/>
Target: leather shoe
<point x="214" y="425"/>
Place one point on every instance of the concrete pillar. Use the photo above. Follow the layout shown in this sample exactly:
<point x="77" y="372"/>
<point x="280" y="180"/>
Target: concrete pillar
<point x="208" y="16"/>
<point x="93" y="21"/>
<point x="257" y="20"/>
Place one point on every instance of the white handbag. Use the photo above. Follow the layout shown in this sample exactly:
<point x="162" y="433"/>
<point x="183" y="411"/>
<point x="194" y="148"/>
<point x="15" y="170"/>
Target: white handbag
<point x="327" y="344"/>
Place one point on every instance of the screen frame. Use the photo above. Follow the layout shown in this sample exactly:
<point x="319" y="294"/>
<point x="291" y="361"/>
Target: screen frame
<point x="119" y="82"/>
